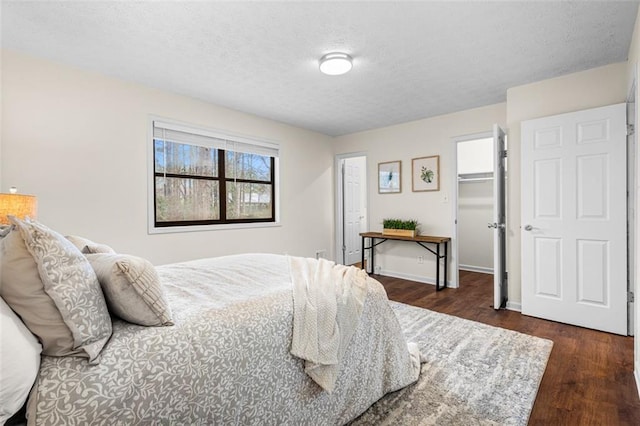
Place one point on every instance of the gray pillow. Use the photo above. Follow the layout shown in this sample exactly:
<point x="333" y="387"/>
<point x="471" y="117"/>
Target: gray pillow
<point x="132" y="288"/>
<point x="87" y="246"/>
<point x="72" y="285"/>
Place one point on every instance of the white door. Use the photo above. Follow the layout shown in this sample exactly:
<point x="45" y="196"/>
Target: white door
<point x="353" y="215"/>
<point x="574" y="253"/>
<point x="499" y="220"/>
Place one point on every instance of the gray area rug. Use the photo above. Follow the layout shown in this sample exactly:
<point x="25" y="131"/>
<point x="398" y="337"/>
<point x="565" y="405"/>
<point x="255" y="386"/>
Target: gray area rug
<point x="475" y="374"/>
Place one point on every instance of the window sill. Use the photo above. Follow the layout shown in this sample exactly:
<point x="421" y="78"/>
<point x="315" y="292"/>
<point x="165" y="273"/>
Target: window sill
<point x="222" y="227"/>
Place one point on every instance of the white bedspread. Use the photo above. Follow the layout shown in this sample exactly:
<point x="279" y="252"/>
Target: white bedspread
<point x="327" y="305"/>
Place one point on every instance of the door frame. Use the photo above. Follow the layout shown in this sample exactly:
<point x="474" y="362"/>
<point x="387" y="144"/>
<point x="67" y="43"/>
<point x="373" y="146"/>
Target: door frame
<point x="632" y="203"/>
<point x="635" y="278"/>
<point x="339" y="201"/>
<point x="455" y="259"/>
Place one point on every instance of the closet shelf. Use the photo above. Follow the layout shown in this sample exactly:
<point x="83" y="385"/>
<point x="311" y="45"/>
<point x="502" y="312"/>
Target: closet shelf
<point x="475" y="177"/>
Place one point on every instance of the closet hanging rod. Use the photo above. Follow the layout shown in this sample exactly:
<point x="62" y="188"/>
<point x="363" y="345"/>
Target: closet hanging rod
<point x="478" y="179"/>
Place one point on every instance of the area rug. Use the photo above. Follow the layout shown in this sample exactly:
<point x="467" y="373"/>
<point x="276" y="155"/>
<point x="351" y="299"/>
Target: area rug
<point x="474" y="374"/>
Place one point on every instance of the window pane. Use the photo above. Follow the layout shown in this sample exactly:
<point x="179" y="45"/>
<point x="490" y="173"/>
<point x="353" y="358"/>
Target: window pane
<point x="248" y="201"/>
<point x="158" y="146"/>
<point x="171" y="157"/>
<point x="247" y="166"/>
<point x="180" y="199"/>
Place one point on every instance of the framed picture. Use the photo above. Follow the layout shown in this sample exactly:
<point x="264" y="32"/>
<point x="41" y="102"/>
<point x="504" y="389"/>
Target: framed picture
<point x="425" y="173"/>
<point x="389" y="179"/>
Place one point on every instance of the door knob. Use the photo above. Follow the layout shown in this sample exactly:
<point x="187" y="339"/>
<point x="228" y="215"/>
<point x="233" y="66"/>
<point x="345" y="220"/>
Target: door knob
<point x="528" y="227"/>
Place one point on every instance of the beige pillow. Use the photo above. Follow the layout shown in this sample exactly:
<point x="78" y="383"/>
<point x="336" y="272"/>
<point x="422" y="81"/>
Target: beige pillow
<point x="22" y="289"/>
<point x="87" y="246"/>
<point x="132" y="288"/>
<point x="72" y="285"/>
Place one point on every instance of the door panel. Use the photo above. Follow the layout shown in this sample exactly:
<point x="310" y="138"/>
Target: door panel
<point x="573" y="192"/>
<point x="547" y="189"/>
<point x="593" y="277"/>
<point x="548" y="279"/>
<point x="593" y="183"/>
<point x="353" y="212"/>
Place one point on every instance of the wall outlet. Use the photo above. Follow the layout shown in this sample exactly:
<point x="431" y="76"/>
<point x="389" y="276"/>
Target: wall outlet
<point x="420" y="259"/>
<point x="320" y="254"/>
<point x="377" y="269"/>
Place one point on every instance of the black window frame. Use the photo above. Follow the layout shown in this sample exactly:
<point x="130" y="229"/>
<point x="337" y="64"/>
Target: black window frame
<point x="222" y="180"/>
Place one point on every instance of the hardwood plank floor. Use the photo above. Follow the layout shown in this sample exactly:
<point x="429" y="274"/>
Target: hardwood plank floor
<point x="589" y="378"/>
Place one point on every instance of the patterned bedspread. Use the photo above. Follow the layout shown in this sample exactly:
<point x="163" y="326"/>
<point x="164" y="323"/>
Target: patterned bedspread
<point x="225" y="361"/>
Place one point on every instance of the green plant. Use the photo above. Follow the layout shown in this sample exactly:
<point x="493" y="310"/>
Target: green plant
<point x="426" y="174"/>
<point x="399" y="224"/>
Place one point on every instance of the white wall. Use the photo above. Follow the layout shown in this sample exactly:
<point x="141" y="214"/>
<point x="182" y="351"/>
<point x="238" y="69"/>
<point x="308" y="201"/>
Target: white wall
<point x="475" y="239"/>
<point x="574" y="92"/>
<point x="475" y="156"/>
<point x="78" y="140"/>
<point x="434" y="210"/>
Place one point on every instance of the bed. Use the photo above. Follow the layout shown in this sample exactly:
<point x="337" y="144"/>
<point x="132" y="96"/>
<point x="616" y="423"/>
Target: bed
<point x="222" y="355"/>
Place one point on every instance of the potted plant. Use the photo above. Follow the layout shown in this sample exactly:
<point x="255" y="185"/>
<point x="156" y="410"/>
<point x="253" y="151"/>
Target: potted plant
<point x="399" y="227"/>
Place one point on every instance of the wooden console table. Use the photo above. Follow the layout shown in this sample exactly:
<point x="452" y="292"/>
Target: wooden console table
<point x="420" y="240"/>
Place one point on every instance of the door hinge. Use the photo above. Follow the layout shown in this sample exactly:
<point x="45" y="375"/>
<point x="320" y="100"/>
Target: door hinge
<point x="630" y="129"/>
<point x="631" y="297"/>
<point x="503" y="154"/>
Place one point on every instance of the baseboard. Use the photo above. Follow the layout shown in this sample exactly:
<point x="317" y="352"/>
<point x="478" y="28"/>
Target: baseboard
<point x="472" y="268"/>
<point x="411" y="277"/>
<point x="636" y="373"/>
<point x="513" y="306"/>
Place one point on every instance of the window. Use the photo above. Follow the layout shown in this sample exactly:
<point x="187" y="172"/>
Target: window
<point x="204" y="178"/>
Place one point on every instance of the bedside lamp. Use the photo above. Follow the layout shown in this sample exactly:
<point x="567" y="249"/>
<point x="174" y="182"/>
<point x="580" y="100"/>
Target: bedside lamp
<point x="18" y="205"/>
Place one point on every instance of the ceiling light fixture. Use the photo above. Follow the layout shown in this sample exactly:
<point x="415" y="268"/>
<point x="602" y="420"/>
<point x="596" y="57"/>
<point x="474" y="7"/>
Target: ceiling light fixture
<point x="335" y="63"/>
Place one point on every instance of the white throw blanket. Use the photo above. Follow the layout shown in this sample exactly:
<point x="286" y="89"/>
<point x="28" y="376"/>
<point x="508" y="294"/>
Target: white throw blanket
<point x="327" y="304"/>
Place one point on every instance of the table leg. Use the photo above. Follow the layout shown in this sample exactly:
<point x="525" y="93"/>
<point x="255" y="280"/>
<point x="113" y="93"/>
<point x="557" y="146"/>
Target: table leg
<point x="437" y="266"/>
<point x="373" y="252"/>
<point x="446" y="261"/>
<point x="362" y="265"/>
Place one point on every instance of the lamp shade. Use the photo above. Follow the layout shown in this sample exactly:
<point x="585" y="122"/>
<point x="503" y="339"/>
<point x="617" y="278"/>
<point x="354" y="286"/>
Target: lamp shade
<point x="17" y="205"/>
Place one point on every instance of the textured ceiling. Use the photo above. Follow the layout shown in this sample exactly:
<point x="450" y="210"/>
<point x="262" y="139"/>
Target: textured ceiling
<point x="411" y="59"/>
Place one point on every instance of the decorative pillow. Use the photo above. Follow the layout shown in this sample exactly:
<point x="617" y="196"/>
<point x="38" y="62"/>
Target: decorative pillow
<point x="22" y="289"/>
<point x="20" y="355"/>
<point x="69" y="280"/>
<point x="132" y="288"/>
<point x="87" y="246"/>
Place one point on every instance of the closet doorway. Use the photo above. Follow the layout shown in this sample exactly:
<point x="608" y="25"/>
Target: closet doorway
<point x="479" y="208"/>
<point x="352" y="207"/>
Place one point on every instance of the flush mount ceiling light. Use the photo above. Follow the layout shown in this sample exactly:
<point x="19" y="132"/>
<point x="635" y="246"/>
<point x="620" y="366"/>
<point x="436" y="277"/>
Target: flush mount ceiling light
<point x="335" y="63"/>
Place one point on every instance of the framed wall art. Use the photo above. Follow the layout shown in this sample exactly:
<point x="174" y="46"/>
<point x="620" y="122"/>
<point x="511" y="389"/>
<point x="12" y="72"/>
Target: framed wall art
<point x="389" y="177"/>
<point x="425" y="173"/>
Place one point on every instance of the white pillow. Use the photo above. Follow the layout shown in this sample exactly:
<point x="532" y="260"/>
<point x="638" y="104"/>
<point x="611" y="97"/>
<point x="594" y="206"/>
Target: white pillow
<point x="19" y="362"/>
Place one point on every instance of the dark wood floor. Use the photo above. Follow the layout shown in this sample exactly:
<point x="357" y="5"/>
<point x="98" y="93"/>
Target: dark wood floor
<point x="589" y="378"/>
